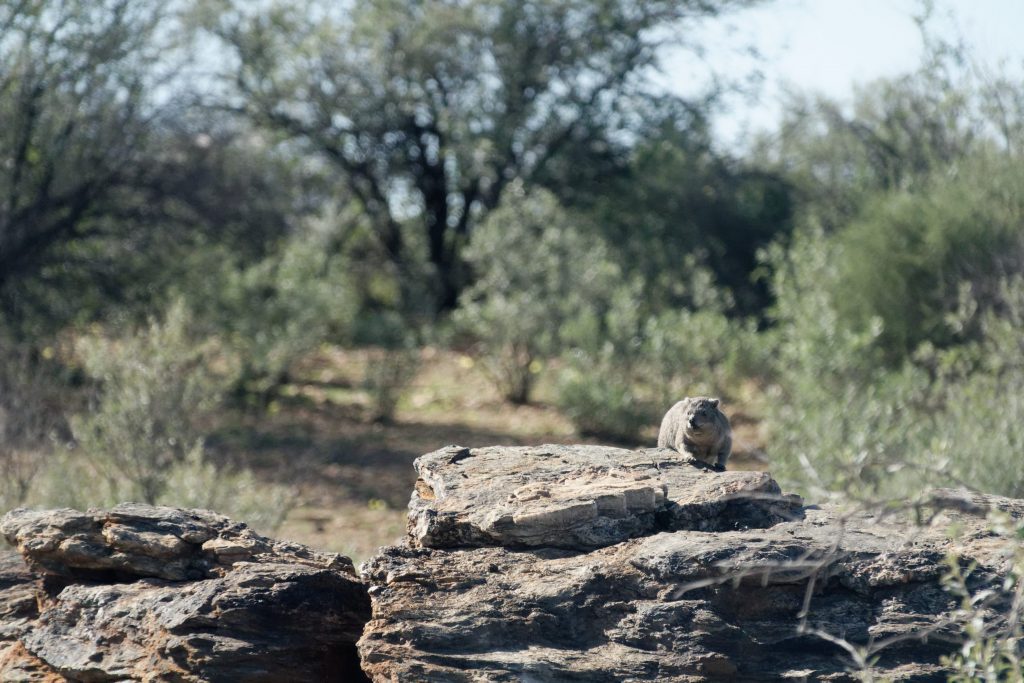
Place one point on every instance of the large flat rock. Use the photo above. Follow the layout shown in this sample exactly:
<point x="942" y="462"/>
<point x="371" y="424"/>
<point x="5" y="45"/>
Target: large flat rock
<point x="580" y="497"/>
<point x="753" y="604"/>
<point x="133" y="540"/>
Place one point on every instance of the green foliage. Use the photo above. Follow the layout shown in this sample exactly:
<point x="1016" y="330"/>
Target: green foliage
<point x="156" y="387"/>
<point x="694" y="352"/>
<point x="199" y="482"/>
<point x="843" y="420"/>
<point x="905" y="257"/>
<point x="838" y="419"/>
<point x="601" y="400"/>
<point x="629" y="366"/>
<point x="143" y="438"/>
<point x="981" y="386"/>
<point x="679" y="199"/>
<point x="990" y="619"/>
<point x="392" y="361"/>
<point x="894" y="314"/>
<point x="72" y="88"/>
<point x="275" y="311"/>
<point x="893" y="136"/>
<point x="388" y="374"/>
<point x="429" y="110"/>
<point x="537" y="274"/>
<point x="30" y="421"/>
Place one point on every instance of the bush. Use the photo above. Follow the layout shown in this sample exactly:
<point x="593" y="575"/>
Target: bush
<point x="903" y="260"/>
<point x="388" y="373"/>
<point x="155" y="388"/>
<point x="989" y="618"/>
<point x="392" y="360"/>
<point x="690" y="353"/>
<point x="30" y="420"/>
<point x="839" y="418"/>
<point x="536" y="271"/>
<point x="143" y="439"/>
<point x="195" y="481"/>
<point x="277" y="310"/>
<point x="980" y="433"/>
<point x="601" y="400"/>
<point x="630" y="365"/>
<point x="843" y="420"/>
<point x="198" y="482"/>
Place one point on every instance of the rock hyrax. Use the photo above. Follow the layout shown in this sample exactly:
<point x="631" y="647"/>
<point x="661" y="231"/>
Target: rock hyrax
<point x="697" y="427"/>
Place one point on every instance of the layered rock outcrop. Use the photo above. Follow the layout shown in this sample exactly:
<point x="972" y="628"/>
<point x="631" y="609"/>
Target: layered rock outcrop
<point x="580" y="497"/>
<point x="550" y="564"/>
<point x="596" y="564"/>
<point x="148" y="593"/>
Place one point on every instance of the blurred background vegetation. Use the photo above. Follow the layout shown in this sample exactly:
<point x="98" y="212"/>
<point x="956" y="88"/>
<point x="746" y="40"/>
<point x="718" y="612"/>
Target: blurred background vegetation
<point x="257" y="256"/>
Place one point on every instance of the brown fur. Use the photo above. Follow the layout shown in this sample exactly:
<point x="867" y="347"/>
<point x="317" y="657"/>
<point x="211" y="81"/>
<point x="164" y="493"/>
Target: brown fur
<point x="696" y="427"/>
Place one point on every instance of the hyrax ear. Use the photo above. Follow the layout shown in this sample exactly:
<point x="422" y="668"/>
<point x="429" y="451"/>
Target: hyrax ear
<point x="714" y="402"/>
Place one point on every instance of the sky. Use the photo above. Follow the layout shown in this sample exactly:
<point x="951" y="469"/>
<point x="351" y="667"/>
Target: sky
<point x="828" y="46"/>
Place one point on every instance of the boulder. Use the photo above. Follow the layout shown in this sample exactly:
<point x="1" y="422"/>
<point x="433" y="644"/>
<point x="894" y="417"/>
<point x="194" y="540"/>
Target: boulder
<point x="579" y="497"/>
<point x="140" y="592"/>
<point x="583" y="563"/>
<point x="546" y="564"/>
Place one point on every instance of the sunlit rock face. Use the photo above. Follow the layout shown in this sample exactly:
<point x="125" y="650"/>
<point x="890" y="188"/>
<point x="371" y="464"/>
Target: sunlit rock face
<point x="579" y="497"/>
<point x="586" y="563"/>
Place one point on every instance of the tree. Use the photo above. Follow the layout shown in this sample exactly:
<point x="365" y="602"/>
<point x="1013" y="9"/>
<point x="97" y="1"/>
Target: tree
<point x="679" y="201"/>
<point x="111" y="181"/>
<point x="430" y="108"/>
<point x="72" y="80"/>
<point x="895" y="133"/>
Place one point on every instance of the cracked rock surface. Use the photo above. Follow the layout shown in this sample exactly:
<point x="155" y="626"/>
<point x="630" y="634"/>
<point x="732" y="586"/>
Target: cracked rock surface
<point x="140" y="592"/>
<point x="579" y="497"/>
<point x="556" y="564"/>
<point x="547" y="564"/>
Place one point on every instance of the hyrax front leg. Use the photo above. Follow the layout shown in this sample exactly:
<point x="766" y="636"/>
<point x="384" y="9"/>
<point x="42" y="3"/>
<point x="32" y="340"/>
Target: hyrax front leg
<point x="723" y="454"/>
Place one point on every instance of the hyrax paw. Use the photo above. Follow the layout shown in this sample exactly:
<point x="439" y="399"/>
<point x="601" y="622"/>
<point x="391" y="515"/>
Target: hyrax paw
<point x="719" y="467"/>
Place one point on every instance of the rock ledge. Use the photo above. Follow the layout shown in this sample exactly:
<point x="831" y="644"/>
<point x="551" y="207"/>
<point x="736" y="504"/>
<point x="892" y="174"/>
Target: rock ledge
<point x="152" y="593"/>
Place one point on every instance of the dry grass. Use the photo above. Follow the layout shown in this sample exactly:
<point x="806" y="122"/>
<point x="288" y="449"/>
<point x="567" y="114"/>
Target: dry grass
<point x="354" y="476"/>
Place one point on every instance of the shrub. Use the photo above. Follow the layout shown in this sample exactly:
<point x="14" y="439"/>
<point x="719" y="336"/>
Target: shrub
<point x="631" y="365"/>
<point x="392" y="359"/>
<point x="980" y="433"/>
<point x="903" y="260"/>
<point x="198" y="482"/>
<point x="143" y="439"/>
<point x="388" y="373"/>
<point x="844" y="420"/>
<point x="195" y="481"/>
<point x="839" y="419"/>
<point x="277" y="310"/>
<point x="30" y="420"/>
<point x="989" y="618"/>
<point x="155" y="387"/>
<point x="601" y="400"/>
<point x="535" y="271"/>
<point x="687" y="352"/>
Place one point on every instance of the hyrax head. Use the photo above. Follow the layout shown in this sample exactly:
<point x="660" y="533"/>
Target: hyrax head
<point x="702" y="413"/>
